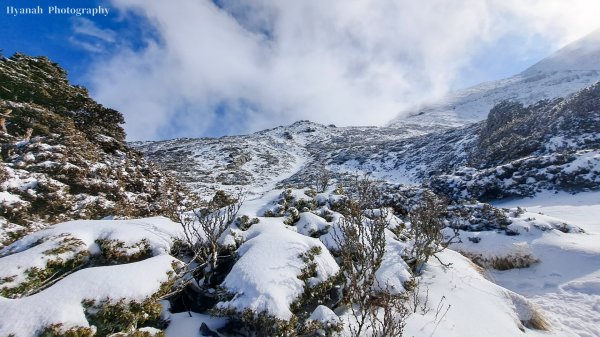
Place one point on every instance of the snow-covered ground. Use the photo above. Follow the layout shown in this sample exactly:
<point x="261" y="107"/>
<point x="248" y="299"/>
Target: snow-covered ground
<point x="582" y="208"/>
<point x="463" y="303"/>
<point x="566" y="283"/>
<point x="460" y="300"/>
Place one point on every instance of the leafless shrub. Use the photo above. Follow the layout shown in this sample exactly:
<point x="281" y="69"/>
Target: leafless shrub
<point x="390" y="318"/>
<point x="322" y="178"/>
<point x="360" y="238"/>
<point x="203" y="229"/>
<point x="416" y="302"/>
<point x="426" y="225"/>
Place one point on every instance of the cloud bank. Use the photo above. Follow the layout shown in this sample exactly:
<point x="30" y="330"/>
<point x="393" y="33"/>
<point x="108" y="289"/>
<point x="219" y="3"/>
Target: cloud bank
<point x="232" y="66"/>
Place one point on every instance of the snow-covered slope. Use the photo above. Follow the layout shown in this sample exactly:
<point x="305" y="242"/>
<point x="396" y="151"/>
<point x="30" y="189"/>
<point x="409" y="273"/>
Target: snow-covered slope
<point x="259" y="161"/>
<point x="568" y="70"/>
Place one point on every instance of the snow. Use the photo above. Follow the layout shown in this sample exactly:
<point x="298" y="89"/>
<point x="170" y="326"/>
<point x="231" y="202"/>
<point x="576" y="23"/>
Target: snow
<point x="310" y="223"/>
<point x="185" y="324"/>
<point x="582" y="209"/>
<point x="14" y="180"/>
<point x="159" y="231"/>
<point x="382" y="170"/>
<point x="9" y="198"/>
<point x="475" y="306"/>
<point x="565" y="283"/>
<point x="562" y="283"/>
<point x="255" y="163"/>
<point x="32" y="250"/>
<point x="564" y="286"/>
<point x="324" y="314"/>
<point x="393" y="272"/>
<point x="62" y="303"/>
<point x="264" y="278"/>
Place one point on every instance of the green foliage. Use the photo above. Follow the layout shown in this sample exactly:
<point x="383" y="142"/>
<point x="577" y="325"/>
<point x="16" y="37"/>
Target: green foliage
<point x="42" y="82"/>
<point x="310" y="192"/>
<point x="116" y="252"/>
<point x="314" y="294"/>
<point x="222" y="199"/>
<point x="288" y="204"/>
<point x="67" y="244"/>
<point x="56" y="266"/>
<point x="110" y="316"/>
<point x="252" y="324"/>
<point x="293" y="215"/>
<point x="317" y="328"/>
<point x="76" y="153"/>
<point x="244" y="222"/>
<point x="56" y="330"/>
<point x="258" y="324"/>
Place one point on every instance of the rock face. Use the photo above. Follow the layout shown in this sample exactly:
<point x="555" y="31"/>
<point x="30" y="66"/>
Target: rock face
<point x="64" y="156"/>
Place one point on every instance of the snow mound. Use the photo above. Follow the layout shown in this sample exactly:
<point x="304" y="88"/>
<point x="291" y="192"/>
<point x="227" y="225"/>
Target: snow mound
<point x="62" y="303"/>
<point x="265" y="278"/>
<point x="73" y="244"/>
<point x="515" y="247"/>
<point x="310" y="223"/>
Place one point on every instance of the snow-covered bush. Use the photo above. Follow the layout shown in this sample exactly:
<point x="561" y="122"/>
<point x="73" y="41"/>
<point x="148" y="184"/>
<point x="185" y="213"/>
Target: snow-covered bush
<point x="290" y="202"/>
<point x="111" y="316"/>
<point x="265" y="299"/>
<point x="571" y="171"/>
<point x="114" y="251"/>
<point x="57" y="330"/>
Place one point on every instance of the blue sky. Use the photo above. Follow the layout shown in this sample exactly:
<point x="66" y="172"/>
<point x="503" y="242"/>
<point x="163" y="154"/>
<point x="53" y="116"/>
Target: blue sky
<point x="202" y="68"/>
<point x="64" y="38"/>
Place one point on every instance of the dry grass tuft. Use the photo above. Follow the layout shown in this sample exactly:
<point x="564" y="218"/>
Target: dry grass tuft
<point x="501" y="262"/>
<point x="537" y="321"/>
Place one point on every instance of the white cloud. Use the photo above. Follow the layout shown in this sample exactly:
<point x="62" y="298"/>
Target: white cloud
<point x="86" y="27"/>
<point x="246" y="65"/>
<point x="88" y="36"/>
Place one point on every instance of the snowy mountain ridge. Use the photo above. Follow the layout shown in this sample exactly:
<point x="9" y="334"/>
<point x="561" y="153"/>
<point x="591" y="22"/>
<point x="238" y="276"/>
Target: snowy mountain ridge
<point x="568" y="70"/>
<point x="516" y="136"/>
<point x="258" y="161"/>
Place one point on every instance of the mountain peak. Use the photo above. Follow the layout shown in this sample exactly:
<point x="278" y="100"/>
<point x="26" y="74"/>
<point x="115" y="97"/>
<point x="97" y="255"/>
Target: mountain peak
<point x="583" y="54"/>
<point x="563" y="73"/>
